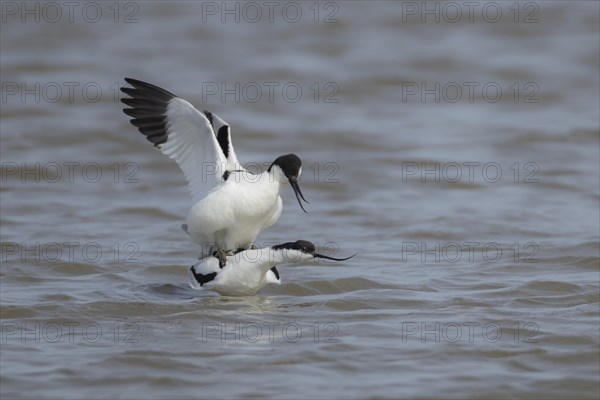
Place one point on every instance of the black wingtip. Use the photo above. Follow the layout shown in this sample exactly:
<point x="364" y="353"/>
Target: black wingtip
<point x="149" y="105"/>
<point x="145" y="89"/>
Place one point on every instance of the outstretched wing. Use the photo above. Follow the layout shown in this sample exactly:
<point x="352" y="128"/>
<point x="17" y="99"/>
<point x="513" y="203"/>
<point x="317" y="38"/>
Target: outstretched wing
<point x="199" y="141"/>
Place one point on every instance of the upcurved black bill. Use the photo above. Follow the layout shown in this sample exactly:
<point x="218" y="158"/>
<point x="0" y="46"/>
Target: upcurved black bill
<point x="317" y="255"/>
<point x="298" y="193"/>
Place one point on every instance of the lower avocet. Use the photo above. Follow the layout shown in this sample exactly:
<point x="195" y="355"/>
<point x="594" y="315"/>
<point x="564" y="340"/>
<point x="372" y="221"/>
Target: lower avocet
<point x="248" y="271"/>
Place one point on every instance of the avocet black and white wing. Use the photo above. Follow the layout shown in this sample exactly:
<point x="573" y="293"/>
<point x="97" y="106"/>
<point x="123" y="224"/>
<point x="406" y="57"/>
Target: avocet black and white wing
<point x="199" y="141"/>
<point x="204" y="272"/>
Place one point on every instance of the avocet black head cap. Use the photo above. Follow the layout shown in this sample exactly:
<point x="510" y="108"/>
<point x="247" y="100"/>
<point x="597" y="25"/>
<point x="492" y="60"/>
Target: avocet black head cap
<point x="307" y="247"/>
<point x="291" y="166"/>
<point x="301" y="245"/>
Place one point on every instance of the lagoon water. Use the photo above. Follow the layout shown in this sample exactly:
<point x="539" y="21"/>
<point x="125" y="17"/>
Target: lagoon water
<point x="454" y="145"/>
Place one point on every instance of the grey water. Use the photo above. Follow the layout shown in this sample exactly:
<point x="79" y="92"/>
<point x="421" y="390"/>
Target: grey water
<point x="454" y="145"/>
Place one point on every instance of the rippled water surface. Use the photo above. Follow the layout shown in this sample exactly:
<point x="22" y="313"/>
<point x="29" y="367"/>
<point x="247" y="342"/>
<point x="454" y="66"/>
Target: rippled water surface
<point x="460" y="157"/>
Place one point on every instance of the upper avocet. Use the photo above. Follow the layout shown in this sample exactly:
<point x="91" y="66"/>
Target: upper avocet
<point x="248" y="271"/>
<point x="229" y="211"/>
